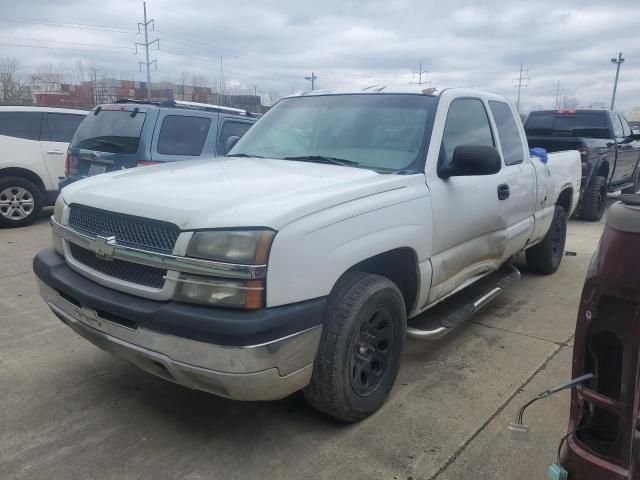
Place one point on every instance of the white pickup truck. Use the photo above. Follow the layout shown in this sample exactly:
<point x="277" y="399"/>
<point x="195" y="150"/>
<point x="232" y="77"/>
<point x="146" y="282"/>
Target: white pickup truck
<point x="295" y="262"/>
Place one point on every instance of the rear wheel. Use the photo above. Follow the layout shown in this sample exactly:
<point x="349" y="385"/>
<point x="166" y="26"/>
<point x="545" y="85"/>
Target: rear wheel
<point x="20" y="202"/>
<point x="593" y="200"/>
<point x="361" y="347"/>
<point x="545" y="257"/>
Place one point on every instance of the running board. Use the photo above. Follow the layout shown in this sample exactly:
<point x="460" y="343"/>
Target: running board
<point x="443" y="318"/>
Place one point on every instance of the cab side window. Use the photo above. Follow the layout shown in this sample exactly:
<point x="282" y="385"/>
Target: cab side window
<point x="467" y="124"/>
<point x="626" y="129"/>
<point x="183" y="135"/>
<point x="510" y="140"/>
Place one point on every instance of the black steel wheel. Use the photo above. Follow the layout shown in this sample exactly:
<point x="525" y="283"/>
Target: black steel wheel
<point x="360" y="349"/>
<point x="546" y="256"/>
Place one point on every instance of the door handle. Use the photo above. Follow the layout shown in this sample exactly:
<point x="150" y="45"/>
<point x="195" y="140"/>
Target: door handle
<point x="503" y="191"/>
<point x="55" y="152"/>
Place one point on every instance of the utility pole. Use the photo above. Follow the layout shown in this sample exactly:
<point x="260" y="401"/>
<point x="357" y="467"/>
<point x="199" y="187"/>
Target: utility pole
<point x="618" y="61"/>
<point x="419" y="73"/>
<point x="146" y="45"/>
<point x="221" y="82"/>
<point x="313" y="79"/>
<point x="255" y="95"/>
<point x="522" y="78"/>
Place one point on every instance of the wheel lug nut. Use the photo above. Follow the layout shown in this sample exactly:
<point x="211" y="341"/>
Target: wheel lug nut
<point x="362" y="350"/>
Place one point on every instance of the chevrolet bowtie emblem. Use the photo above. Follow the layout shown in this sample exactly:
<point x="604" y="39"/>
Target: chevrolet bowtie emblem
<point x="103" y="247"/>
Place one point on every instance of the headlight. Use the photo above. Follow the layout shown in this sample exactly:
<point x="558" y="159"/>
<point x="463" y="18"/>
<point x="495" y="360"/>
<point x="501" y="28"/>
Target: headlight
<point x="250" y="247"/>
<point x="57" y="216"/>
<point x="247" y="294"/>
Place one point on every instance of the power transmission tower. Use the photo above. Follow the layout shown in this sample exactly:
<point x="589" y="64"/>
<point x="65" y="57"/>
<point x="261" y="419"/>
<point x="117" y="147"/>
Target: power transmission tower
<point x="557" y="94"/>
<point x="618" y="61"/>
<point x="313" y="79"/>
<point x="419" y="73"/>
<point x="146" y="45"/>
<point x="522" y="79"/>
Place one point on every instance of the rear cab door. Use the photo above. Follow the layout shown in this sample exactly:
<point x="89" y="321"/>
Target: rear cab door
<point x="112" y="137"/>
<point x="183" y="134"/>
<point x="57" y="131"/>
<point x="621" y="168"/>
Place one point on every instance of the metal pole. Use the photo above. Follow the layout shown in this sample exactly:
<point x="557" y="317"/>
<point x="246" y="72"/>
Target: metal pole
<point x="519" y="89"/>
<point x="146" y="49"/>
<point x="619" y="61"/>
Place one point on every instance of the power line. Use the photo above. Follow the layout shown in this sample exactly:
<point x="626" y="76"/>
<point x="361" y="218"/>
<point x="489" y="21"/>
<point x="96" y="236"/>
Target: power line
<point x="62" y="48"/>
<point x="80" y="26"/>
<point x="65" y="43"/>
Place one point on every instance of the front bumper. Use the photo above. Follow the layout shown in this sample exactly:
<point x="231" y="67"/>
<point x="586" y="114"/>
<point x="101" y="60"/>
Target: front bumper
<point x="268" y="370"/>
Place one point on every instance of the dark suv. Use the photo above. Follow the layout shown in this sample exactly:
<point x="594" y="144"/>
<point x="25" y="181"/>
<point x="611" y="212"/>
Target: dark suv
<point x="129" y="134"/>
<point x="610" y="151"/>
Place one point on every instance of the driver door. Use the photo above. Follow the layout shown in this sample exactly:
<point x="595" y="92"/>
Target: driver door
<point x="469" y="225"/>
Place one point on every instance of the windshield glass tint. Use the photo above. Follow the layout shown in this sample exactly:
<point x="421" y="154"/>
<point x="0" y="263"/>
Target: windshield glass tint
<point x="592" y="125"/>
<point x="113" y="131"/>
<point x="379" y="131"/>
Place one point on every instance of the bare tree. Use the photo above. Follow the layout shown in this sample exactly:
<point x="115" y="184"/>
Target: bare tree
<point x="9" y="82"/>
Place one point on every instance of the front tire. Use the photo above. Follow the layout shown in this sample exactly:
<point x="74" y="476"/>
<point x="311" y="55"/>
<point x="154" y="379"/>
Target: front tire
<point x="545" y="257"/>
<point x="361" y="347"/>
<point x="20" y="202"/>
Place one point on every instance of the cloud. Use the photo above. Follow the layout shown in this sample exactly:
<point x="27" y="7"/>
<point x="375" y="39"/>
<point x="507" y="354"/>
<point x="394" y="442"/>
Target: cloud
<point x="275" y="43"/>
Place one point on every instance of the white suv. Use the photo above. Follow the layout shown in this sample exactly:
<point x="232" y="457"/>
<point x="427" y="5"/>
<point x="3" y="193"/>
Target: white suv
<point x="33" y="145"/>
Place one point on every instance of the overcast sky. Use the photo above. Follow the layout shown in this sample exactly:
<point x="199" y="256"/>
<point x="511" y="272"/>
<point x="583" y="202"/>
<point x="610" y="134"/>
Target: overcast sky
<point x="275" y="43"/>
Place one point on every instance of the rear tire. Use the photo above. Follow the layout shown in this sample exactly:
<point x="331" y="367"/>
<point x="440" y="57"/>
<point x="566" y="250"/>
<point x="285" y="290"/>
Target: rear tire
<point x="545" y="257"/>
<point x="593" y="200"/>
<point x="636" y="183"/>
<point x="20" y="202"/>
<point x="361" y="347"/>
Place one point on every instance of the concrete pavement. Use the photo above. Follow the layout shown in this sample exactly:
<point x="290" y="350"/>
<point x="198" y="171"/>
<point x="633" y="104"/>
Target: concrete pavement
<point x="70" y="411"/>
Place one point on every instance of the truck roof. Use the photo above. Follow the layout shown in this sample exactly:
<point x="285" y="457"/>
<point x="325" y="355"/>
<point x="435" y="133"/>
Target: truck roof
<point x="395" y="89"/>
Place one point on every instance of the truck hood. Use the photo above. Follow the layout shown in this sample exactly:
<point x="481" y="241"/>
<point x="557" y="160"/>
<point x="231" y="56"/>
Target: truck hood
<point x="229" y="191"/>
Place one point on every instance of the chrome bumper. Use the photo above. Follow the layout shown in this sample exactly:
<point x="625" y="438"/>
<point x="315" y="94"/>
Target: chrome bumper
<point x="268" y="371"/>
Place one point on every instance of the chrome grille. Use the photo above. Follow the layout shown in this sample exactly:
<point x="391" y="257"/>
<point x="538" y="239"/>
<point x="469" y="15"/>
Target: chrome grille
<point x="127" y="271"/>
<point x="129" y="230"/>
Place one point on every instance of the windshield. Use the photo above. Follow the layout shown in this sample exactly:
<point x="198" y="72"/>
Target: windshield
<point x="113" y="131"/>
<point x="377" y="131"/>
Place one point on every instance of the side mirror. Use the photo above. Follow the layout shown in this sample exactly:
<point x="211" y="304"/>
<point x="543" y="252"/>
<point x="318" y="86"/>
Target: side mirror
<point x="472" y="160"/>
<point x="231" y="141"/>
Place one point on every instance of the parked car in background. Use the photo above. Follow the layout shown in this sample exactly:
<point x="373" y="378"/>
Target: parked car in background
<point x="33" y="144"/>
<point x="610" y="151"/>
<point x="295" y="263"/>
<point x="130" y="134"/>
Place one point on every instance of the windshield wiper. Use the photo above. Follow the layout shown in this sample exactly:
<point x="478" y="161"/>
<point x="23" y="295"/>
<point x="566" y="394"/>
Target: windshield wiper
<point x="322" y="159"/>
<point x="243" y="155"/>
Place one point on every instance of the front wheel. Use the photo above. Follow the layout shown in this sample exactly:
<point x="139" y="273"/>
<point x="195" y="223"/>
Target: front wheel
<point x="545" y="257"/>
<point x="20" y="202"/>
<point x="361" y="347"/>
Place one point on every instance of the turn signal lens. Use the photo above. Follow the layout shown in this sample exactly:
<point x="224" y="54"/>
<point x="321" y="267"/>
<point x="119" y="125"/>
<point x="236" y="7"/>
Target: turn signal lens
<point x="246" y="294"/>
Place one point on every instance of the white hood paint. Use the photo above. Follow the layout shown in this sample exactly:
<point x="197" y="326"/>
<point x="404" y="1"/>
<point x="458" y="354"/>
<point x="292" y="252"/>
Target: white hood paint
<point x="229" y="192"/>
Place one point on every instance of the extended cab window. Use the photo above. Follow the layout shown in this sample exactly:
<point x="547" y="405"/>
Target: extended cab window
<point x="508" y="132"/>
<point x="183" y="135"/>
<point x="467" y="124"/>
<point x="62" y="126"/>
<point x="626" y="129"/>
<point x="113" y="131"/>
<point x="21" y="124"/>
